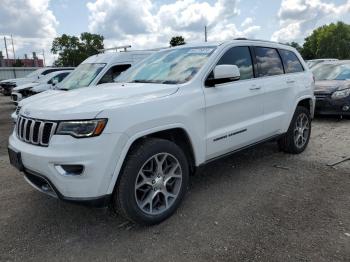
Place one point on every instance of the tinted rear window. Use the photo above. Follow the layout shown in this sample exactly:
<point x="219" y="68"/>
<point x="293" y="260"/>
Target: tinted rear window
<point x="291" y="62"/>
<point x="269" y="61"/>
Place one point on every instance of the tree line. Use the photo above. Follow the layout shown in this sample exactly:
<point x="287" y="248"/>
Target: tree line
<point x="328" y="41"/>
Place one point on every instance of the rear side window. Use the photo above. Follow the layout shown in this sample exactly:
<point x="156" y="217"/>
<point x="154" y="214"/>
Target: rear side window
<point x="239" y="56"/>
<point x="291" y="62"/>
<point x="269" y="61"/>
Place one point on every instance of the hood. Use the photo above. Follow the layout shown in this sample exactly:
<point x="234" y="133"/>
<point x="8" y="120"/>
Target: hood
<point x="24" y="87"/>
<point x="17" y="81"/>
<point x="86" y="103"/>
<point x="38" y="97"/>
<point x="329" y="86"/>
<point x="41" y="88"/>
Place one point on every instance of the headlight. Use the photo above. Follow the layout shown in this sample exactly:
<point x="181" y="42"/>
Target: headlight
<point x="83" y="128"/>
<point x="341" y="94"/>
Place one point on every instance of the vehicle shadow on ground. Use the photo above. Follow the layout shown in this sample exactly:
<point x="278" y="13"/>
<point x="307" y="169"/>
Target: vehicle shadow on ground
<point x="49" y="211"/>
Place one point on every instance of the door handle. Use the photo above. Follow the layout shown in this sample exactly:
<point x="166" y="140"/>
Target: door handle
<point x="253" y="88"/>
<point x="290" y="81"/>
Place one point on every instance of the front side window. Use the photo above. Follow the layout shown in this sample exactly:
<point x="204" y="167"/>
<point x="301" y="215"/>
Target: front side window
<point x="172" y="66"/>
<point x="291" y="62"/>
<point x="112" y="73"/>
<point x="239" y="56"/>
<point x="59" y="77"/>
<point x="269" y="62"/>
<point x="82" y="76"/>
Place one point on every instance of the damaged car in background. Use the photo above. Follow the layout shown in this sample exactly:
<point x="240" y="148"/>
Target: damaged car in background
<point x="332" y="88"/>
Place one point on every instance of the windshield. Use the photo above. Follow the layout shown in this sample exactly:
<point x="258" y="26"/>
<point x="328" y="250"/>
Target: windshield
<point x="168" y="67"/>
<point x="331" y="72"/>
<point x="82" y="76"/>
<point x="45" y="79"/>
<point x="34" y="73"/>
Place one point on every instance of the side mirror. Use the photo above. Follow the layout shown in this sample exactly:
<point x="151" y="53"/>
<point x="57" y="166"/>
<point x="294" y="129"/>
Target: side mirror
<point x="54" y="82"/>
<point x="224" y="74"/>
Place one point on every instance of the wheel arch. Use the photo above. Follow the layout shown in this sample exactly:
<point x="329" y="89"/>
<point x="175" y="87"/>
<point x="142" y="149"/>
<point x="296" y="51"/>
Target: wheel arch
<point x="175" y="133"/>
<point x="308" y="102"/>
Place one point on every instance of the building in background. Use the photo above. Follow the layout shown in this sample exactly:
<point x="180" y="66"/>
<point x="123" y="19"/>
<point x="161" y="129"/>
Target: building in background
<point x="25" y="62"/>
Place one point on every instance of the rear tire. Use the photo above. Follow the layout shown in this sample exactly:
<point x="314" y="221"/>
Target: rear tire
<point x="298" y="135"/>
<point x="152" y="183"/>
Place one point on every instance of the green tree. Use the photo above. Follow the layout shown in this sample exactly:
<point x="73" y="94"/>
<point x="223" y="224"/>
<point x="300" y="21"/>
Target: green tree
<point x="73" y="50"/>
<point x="295" y="45"/>
<point x="328" y="41"/>
<point x="177" y="40"/>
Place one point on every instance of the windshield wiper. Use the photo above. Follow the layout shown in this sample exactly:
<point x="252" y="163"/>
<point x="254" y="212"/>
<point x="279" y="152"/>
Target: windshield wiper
<point x="146" y="81"/>
<point x="170" y="82"/>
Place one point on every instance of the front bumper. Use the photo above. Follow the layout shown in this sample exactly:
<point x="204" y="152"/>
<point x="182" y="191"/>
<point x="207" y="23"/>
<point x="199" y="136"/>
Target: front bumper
<point x="14" y="117"/>
<point x="325" y="105"/>
<point x="44" y="185"/>
<point x="98" y="155"/>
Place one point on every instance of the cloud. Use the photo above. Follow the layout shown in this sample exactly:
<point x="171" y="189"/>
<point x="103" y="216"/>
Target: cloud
<point x="299" y="17"/>
<point x="248" y="21"/>
<point x="31" y="23"/>
<point x="27" y="18"/>
<point x="122" y="17"/>
<point x="147" y="25"/>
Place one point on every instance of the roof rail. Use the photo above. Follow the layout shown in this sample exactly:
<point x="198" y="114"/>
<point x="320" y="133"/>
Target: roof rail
<point x="125" y="47"/>
<point x="258" y="40"/>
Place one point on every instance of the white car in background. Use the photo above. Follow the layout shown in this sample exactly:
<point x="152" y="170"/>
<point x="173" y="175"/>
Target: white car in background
<point x="95" y="70"/>
<point x="9" y="84"/>
<point x="40" y="85"/>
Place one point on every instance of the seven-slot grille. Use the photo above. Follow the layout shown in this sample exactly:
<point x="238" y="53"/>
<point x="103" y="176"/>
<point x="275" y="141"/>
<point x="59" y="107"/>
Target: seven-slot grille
<point x="33" y="131"/>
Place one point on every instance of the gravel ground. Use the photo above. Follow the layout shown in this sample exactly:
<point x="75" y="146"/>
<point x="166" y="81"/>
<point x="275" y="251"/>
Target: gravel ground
<point x="257" y="205"/>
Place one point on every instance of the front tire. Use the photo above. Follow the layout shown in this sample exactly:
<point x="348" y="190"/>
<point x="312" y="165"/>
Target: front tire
<point x="152" y="183"/>
<point x="297" y="137"/>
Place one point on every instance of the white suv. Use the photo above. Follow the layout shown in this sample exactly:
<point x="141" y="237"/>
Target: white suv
<point x="133" y="144"/>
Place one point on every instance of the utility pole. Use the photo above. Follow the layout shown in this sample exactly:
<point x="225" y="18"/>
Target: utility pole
<point x="44" y="57"/>
<point x="205" y="34"/>
<point x="13" y="49"/>
<point x="7" y="54"/>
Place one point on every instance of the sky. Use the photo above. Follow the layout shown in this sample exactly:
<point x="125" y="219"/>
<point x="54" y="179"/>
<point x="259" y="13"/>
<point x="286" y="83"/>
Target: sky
<point x="150" y="24"/>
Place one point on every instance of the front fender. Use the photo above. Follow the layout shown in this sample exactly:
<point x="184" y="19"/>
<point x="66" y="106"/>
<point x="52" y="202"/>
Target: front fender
<point x="136" y="136"/>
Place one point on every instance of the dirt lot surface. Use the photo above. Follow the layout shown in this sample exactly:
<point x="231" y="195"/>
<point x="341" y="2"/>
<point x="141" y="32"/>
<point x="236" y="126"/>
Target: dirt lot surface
<point x="257" y="205"/>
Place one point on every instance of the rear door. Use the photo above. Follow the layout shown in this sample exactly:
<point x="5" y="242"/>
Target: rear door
<point x="234" y="110"/>
<point x="276" y="89"/>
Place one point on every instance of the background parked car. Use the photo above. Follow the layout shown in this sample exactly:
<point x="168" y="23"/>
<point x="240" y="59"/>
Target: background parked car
<point x="45" y="83"/>
<point x="9" y="84"/>
<point x="96" y="70"/>
<point x="332" y="88"/>
<point x="315" y="62"/>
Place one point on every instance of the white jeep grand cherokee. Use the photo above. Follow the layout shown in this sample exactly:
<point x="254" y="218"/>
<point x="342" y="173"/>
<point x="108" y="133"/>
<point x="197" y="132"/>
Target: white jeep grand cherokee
<point x="133" y="144"/>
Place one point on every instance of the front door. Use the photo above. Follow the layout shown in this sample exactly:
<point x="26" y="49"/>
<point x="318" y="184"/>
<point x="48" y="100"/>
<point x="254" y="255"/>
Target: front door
<point x="234" y="110"/>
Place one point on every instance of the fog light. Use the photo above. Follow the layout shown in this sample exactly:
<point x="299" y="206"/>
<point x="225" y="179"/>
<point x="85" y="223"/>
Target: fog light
<point x="70" y="170"/>
<point x="346" y="108"/>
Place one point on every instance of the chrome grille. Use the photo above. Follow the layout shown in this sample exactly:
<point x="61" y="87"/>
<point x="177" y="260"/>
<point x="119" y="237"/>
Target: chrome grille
<point x="18" y="108"/>
<point x="33" y="131"/>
